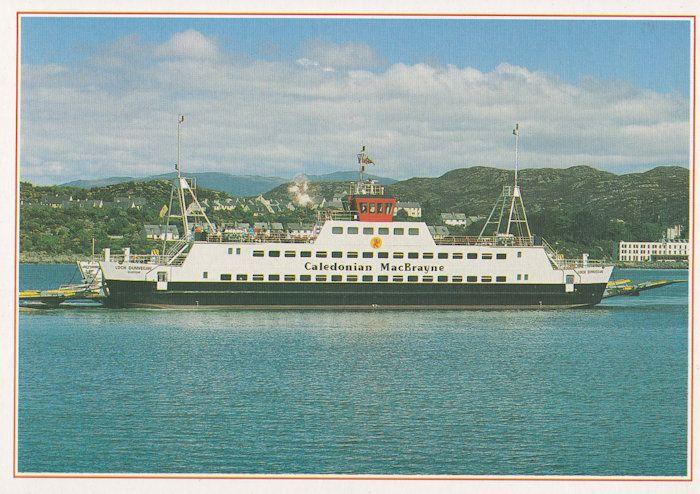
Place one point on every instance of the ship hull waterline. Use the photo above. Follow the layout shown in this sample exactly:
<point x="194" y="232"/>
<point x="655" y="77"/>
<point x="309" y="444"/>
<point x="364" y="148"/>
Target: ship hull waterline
<point x="280" y="295"/>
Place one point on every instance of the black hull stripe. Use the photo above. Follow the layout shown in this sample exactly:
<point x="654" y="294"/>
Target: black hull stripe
<point x="350" y="295"/>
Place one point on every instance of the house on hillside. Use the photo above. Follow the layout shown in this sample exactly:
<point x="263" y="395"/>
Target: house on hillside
<point x="454" y="219"/>
<point x="160" y="232"/>
<point x="412" y="209"/>
<point x="129" y="202"/>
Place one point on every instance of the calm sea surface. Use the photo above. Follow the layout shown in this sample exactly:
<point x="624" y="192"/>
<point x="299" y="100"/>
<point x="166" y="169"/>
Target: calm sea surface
<point x="575" y="392"/>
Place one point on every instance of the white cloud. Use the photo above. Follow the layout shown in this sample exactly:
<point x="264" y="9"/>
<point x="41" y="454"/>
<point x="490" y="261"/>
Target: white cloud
<point x="339" y="56"/>
<point x="116" y="115"/>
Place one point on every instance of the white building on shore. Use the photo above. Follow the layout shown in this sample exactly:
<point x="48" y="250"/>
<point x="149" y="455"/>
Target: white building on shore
<point x="674" y="250"/>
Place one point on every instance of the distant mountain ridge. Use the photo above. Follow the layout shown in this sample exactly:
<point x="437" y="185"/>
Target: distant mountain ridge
<point x="235" y="185"/>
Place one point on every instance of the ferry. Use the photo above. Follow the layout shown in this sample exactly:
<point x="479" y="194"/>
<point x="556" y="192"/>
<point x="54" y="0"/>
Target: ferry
<point x="356" y="258"/>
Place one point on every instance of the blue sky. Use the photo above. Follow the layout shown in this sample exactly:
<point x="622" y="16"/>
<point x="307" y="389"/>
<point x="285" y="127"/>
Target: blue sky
<point x="285" y="96"/>
<point x="649" y="54"/>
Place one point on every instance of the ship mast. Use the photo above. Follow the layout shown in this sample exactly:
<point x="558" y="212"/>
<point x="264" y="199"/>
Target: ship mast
<point x="508" y="220"/>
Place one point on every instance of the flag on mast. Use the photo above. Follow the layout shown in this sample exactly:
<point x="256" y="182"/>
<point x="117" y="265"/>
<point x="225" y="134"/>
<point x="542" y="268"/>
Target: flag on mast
<point x="181" y="119"/>
<point x="515" y="130"/>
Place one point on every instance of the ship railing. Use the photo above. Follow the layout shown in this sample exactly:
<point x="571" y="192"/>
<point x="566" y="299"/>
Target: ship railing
<point x="336" y="215"/>
<point x="579" y="263"/>
<point x="159" y="259"/>
<point x="490" y="241"/>
<point x="258" y="238"/>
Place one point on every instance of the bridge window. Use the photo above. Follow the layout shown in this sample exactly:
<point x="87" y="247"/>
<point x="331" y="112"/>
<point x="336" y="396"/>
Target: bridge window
<point x="304" y="277"/>
<point x="241" y="277"/>
<point x="225" y="277"/>
<point x="336" y="254"/>
<point x="337" y="230"/>
<point x="289" y="277"/>
<point x="471" y="279"/>
<point x="500" y="256"/>
<point x="413" y="255"/>
<point x="442" y="255"/>
<point x="258" y="253"/>
<point x="367" y="255"/>
<point x="427" y="255"/>
<point x="380" y="207"/>
<point x="457" y="255"/>
<point x="258" y="277"/>
<point x="500" y="279"/>
<point x="383" y="231"/>
<point x="398" y="231"/>
<point x="274" y="253"/>
<point x="388" y="208"/>
<point x="368" y="230"/>
<point x="471" y="255"/>
<point x="372" y="207"/>
<point x="382" y="277"/>
<point x="352" y="230"/>
<point x="413" y="231"/>
<point x="363" y="207"/>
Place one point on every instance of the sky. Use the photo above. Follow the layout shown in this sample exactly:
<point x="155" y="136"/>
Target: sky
<point x="100" y="95"/>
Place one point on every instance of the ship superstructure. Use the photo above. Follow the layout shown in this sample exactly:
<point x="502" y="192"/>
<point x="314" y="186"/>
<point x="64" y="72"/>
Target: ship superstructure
<point x="358" y="257"/>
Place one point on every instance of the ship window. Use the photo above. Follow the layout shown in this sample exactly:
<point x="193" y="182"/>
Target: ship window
<point x="336" y="254"/>
<point x="238" y="250"/>
<point x="398" y="279"/>
<point x="241" y="277"/>
<point x="383" y="255"/>
<point x="367" y="255"/>
<point x="320" y="277"/>
<point x="388" y="208"/>
<point x="336" y="277"/>
<point x="205" y="275"/>
<point x="289" y="277"/>
<point x="487" y="256"/>
<point x="413" y="255"/>
<point x="427" y="279"/>
<point x="225" y="277"/>
<point x="442" y="279"/>
<point x="569" y="279"/>
<point x="337" y="230"/>
<point x="273" y="277"/>
<point x="413" y="231"/>
<point x="383" y="231"/>
<point x="442" y="255"/>
<point x="304" y="277"/>
<point x="382" y="277"/>
<point x="525" y="276"/>
<point x="457" y="255"/>
<point x="351" y="277"/>
<point x="321" y="253"/>
<point x="520" y="254"/>
<point x="372" y="207"/>
<point x="304" y="253"/>
<point x="380" y="207"/>
<point x="471" y="279"/>
<point x="230" y="250"/>
<point x="519" y="277"/>
<point x="398" y="231"/>
<point x="412" y="278"/>
<point x="274" y="253"/>
<point x="457" y="279"/>
<point x="471" y="255"/>
<point x="486" y="279"/>
<point x="398" y="255"/>
<point x="258" y="277"/>
<point x="427" y="255"/>
<point x="500" y="256"/>
<point x="368" y="230"/>
<point x="363" y="207"/>
<point x="352" y="230"/>
<point x="258" y="253"/>
<point x="290" y="253"/>
<point x="352" y="255"/>
<point x="500" y="279"/>
<point x="367" y="277"/>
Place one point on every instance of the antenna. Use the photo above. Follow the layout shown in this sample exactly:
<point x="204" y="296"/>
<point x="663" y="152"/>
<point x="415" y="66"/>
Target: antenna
<point x="516" y="133"/>
<point x="180" y="120"/>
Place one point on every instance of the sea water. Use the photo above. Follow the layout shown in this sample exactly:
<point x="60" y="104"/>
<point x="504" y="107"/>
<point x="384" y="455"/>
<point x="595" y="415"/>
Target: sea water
<point x="599" y="391"/>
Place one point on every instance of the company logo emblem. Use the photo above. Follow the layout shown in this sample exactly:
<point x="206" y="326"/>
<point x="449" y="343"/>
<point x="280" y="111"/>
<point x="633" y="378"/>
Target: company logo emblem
<point x="376" y="242"/>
